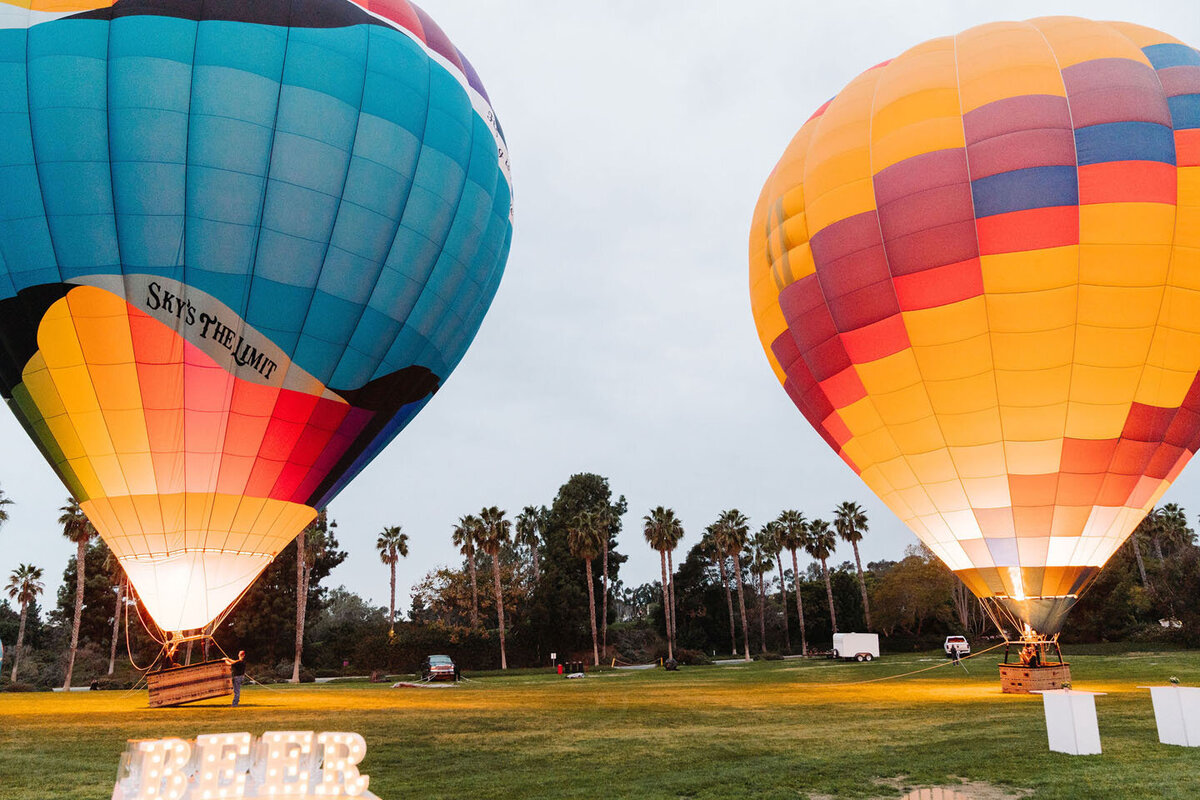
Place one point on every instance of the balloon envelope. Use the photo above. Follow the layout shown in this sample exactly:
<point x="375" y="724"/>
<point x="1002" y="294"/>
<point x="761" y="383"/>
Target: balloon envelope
<point x="976" y="272"/>
<point x="241" y="246"/>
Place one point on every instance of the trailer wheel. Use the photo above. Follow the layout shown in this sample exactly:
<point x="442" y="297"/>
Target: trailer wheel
<point x="868" y="656"/>
<point x="859" y="658"/>
<point x="834" y="654"/>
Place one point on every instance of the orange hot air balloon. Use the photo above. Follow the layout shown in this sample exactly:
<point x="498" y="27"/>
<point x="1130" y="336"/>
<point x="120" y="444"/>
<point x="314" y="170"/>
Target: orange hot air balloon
<point x="976" y="272"/>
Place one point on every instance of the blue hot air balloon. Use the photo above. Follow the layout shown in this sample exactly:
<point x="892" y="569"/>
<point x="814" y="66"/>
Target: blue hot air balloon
<point x="242" y="244"/>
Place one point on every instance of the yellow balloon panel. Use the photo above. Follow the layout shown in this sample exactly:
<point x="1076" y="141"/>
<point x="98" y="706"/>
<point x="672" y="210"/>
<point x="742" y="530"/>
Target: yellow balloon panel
<point x="998" y="323"/>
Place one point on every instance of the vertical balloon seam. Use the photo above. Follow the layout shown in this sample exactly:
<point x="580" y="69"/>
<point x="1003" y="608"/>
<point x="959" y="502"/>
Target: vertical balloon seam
<point x="14" y="357"/>
<point x="451" y="361"/>
<point x="176" y="328"/>
<point x="247" y="292"/>
<point x="328" y="243"/>
<point x="893" y="66"/>
<point x="252" y="273"/>
<point x="1162" y="300"/>
<point x="1171" y="276"/>
<point x="195" y="554"/>
<point x="381" y="265"/>
<point x="387" y="435"/>
<point x="403" y="207"/>
<point x="117" y="220"/>
<point x="1012" y="516"/>
<point x="455" y="220"/>
<point x="1078" y="266"/>
<point x="422" y="297"/>
<point x="877" y="74"/>
<point x="986" y="309"/>
<point x="216" y="463"/>
<point x="325" y="374"/>
<point x="358" y="463"/>
<point x="33" y="137"/>
<point x="1158" y="319"/>
<point x="433" y="269"/>
<point x="818" y="121"/>
<point x="495" y="272"/>
<point x="1078" y="550"/>
<point x="490" y="287"/>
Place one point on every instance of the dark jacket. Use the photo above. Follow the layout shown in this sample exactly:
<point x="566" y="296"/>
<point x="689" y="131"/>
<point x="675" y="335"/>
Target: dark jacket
<point x="238" y="668"/>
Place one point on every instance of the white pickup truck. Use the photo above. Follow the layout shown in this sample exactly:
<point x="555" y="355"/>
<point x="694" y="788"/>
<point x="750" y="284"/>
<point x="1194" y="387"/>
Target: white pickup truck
<point x="959" y="643"/>
<point x="859" y="646"/>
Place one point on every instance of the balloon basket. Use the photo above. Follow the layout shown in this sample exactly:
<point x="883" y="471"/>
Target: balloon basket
<point x="1021" y="679"/>
<point x="1037" y="669"/>
<point x="177" y="685"/>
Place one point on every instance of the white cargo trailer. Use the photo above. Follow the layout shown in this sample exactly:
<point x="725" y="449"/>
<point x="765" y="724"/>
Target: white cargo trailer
<point x="859" y="646"/>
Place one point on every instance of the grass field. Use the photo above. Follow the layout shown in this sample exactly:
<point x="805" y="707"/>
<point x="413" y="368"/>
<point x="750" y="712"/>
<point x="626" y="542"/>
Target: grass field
<point x="767" y="730"/>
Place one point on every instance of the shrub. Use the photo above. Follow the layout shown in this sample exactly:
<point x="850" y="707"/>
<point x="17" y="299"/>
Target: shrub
<point x="636" y="642"/>
<point x="18" y="687"/>
<point x="692" y="658"/>
<point x="768" y="656"/>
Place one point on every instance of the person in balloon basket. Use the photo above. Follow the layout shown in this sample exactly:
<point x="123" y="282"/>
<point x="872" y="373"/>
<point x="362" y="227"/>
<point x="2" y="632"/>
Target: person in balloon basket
<point x="238" y="671"/>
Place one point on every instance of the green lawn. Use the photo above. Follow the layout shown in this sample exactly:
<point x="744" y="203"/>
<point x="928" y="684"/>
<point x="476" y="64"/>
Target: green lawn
<point x="768" y="730"/>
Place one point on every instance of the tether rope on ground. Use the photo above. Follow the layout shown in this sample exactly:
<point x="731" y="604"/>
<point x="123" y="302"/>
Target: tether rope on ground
<point x="914" y="672"/>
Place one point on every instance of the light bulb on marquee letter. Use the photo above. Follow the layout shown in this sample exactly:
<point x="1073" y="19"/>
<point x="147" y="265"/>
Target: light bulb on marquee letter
<point x="289" y="757"/>
<point x="162" y="763"/>
<point x="339" y="767"/>
<point x="218" y="775"/>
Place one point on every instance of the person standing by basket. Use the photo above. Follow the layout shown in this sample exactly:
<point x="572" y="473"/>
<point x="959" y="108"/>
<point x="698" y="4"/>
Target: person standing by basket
<point x="238" y="671"/>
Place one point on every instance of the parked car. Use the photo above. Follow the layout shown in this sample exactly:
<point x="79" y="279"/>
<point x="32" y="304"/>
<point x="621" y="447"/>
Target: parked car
<point x="959" y="643"/>
<point x="439" y="668"/>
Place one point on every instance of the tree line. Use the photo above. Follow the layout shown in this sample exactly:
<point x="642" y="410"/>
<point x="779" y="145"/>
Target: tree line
<point x="555" y="588"/>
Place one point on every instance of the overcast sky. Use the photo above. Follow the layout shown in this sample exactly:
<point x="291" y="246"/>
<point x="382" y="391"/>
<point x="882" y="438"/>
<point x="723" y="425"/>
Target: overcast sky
<point x="621" y="340"/>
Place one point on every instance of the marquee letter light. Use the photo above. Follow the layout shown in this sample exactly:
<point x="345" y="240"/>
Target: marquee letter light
<point x="288" y="763"/>
<point x="163" y="765"/>
<point x="217" y="771"/>
<point x="341" y="753"/>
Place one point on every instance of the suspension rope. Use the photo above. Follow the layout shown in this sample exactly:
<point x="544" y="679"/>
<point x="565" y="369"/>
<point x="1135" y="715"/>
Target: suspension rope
<point x="129" y="647"/>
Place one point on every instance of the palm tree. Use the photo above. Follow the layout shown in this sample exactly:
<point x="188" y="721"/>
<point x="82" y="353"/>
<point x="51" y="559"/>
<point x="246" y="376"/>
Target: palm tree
<point x="495" y="531"/>
<point x="774" y="549"/>
<point x="604" y="520"/>
<point x="79" y="530"/>
<point x="820" y="544"/>
<point x="676" y="536"/>
<point x="1172" y="529"/>
<point x="733" y="529"/>
<point x="793" y="532"/>
<point x="392" y="545"/>
<point x="715" y="548"/>
<point x="311" y="544"/>
<point x="24" y="585"/>
<point x="116" y="575"/>
<point x="1147" y="524"/>
<point x="851" y="522"/>
<point x="584" y="539"/>
<point x="4" y="501"/>
<point x="466" y="536"/>
<point x="527" y="535"/>
<point x="663" y="531"/>
<point x="761" y="544"/>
